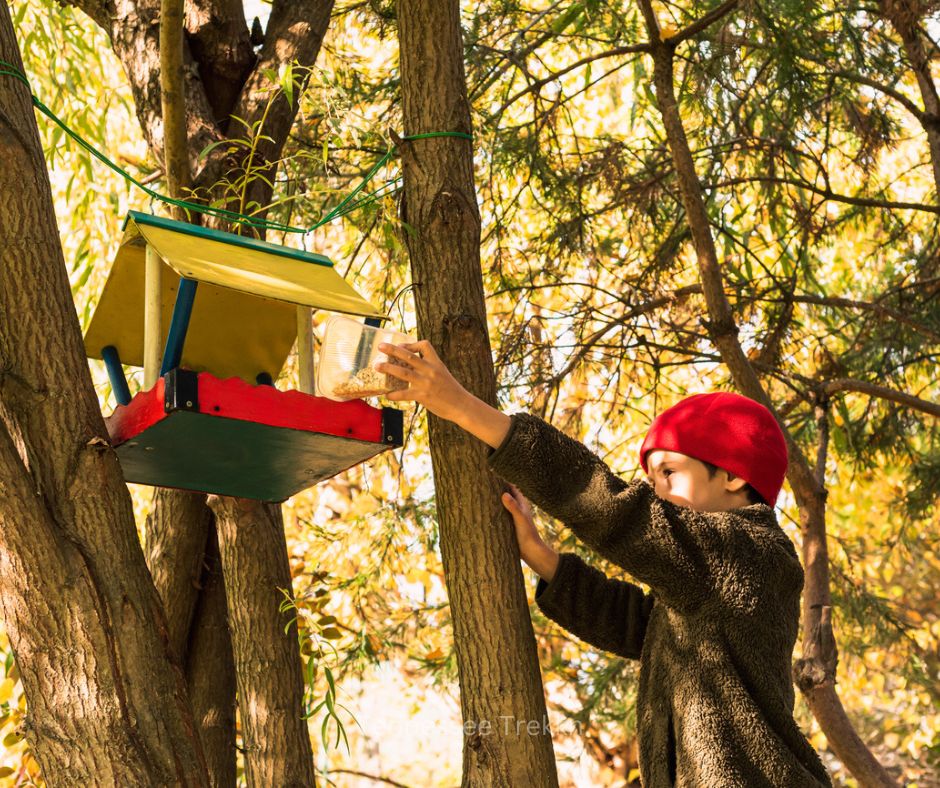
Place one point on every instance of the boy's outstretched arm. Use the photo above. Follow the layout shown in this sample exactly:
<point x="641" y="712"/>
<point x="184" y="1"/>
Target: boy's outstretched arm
<point x="683" y="555"/>
<point x="559" y="474"/>
<point x="432" y="385"/>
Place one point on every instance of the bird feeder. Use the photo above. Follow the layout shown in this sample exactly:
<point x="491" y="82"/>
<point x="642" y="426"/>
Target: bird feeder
<point x="212" y="317"/>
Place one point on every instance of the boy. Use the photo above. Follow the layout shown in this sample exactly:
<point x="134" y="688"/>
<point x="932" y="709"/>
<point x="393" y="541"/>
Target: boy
<point x="715" y="636"/>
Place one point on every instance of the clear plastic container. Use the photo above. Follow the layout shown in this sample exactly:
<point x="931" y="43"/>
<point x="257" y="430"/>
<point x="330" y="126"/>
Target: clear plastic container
<point x="348" y="355"/>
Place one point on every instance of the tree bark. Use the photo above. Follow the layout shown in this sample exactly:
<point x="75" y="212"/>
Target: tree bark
<point x="81" y="611"/>
<point x="502" y="700"/>
<point x="267" y="656"/>
<point x="173" y="102"/>
<point x="223" y="77"/>
<point x="210" y="670"/>
<point x="905" y="16"/>
<point x="294" y="33"/>
<point x="182" y="555"/>
<point x="175" y="537"/>
<point x="220" y="43"/>
<point x="815" y="671"/>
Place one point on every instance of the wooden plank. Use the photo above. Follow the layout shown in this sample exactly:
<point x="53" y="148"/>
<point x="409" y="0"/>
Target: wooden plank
<point x="305" y="349"/>
<point x="153" y="309"/>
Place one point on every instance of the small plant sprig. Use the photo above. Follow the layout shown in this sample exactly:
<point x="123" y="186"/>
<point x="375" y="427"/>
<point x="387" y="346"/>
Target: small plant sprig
<point x="316" y="634"/>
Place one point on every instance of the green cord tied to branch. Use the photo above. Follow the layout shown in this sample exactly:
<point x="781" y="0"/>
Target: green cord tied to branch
<point x="346" y="205"/>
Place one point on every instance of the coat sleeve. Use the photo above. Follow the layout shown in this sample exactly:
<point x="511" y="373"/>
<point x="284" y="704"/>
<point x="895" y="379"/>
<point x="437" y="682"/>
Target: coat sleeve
<point x="686" y="557"/>
<point x="609" y="614"/>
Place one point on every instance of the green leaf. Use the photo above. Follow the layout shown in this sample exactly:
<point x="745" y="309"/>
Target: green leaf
<point x="83" y="278"/>
<point x="209" y="148"/>
<point x="287" y="83"/>
<point x="561" y="23"/>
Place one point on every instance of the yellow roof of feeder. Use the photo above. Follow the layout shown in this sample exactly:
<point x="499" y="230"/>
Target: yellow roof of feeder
<point x="244" y="319"/>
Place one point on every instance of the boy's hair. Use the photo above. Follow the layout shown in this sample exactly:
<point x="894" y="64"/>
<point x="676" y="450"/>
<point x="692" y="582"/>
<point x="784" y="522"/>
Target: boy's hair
<point x="752" y="495"/>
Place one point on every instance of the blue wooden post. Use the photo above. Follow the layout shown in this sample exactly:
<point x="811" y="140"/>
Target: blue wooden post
<point x="179" y="325"/>
<point x="112" y="362"/>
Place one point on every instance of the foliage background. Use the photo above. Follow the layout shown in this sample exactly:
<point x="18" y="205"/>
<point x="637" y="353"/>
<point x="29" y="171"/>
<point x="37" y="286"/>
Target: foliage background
<point x="581" y="226"/>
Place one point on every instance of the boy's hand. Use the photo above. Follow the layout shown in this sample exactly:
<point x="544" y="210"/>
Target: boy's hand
<point x="432" y="385"/>
<point x="521" y="510"/>
<point x="430" y="382"/>
<point x="538" y="555"/>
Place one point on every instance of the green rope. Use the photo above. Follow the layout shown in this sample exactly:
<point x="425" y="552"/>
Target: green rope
<point x="393" y="186"/>
<point x="345" y="206"/>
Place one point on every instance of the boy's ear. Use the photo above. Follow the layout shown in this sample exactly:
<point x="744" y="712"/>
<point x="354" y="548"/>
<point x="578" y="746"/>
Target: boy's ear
<point x="734" y="483"/>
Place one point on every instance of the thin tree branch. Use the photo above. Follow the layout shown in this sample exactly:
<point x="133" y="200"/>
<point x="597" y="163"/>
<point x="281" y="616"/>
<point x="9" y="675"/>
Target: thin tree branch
<point x="540" y="83"/>
<point x="639" y="309"/>
<point x="925" y="118"/>
<point x="885" y="311"/>
<point x="828" y="194"/>
<point x="882" y="392"/>
<point x="374" y="777"/>
<point x="706" y="21"/>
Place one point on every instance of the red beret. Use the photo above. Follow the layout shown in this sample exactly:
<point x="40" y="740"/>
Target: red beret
<point x="728" y="430"/>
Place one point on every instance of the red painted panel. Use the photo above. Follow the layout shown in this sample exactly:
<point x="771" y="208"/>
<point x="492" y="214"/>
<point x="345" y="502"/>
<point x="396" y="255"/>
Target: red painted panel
<point x="143" y="411"/>
<point x="235" y="399"/>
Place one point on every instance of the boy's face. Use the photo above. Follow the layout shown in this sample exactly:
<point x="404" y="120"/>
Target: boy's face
<point x="683" y="480"/>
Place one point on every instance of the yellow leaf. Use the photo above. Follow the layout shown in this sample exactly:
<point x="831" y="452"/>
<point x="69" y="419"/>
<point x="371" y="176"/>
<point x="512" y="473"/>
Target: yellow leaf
<point x="6" y="690"/>
<point x="32" y="765"/>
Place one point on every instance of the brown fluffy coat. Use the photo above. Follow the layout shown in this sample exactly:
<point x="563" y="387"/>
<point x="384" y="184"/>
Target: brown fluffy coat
<point x="714" y="637"/>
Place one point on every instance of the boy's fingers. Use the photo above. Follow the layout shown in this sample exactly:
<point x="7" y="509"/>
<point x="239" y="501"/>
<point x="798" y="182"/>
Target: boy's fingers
<point x="422" y="347"/>
<point x="396" y="371"/>
<point x="398" y="351"/>
<point x="402" y="395"/>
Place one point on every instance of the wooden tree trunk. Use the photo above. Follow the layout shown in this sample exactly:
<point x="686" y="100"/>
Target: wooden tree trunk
<point x="907" y="17"/>
<point x="230" y="81"/>
<point x="107" y="702"/>
<point x="180" y="556"/>
<point x="175" y="558"/>
<point x="210" y="670"/>
<point x="816" y="670"/>
<point x="507" y="742"/>
<point x="183" y="558"/>
<point x="267" y="656"/>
